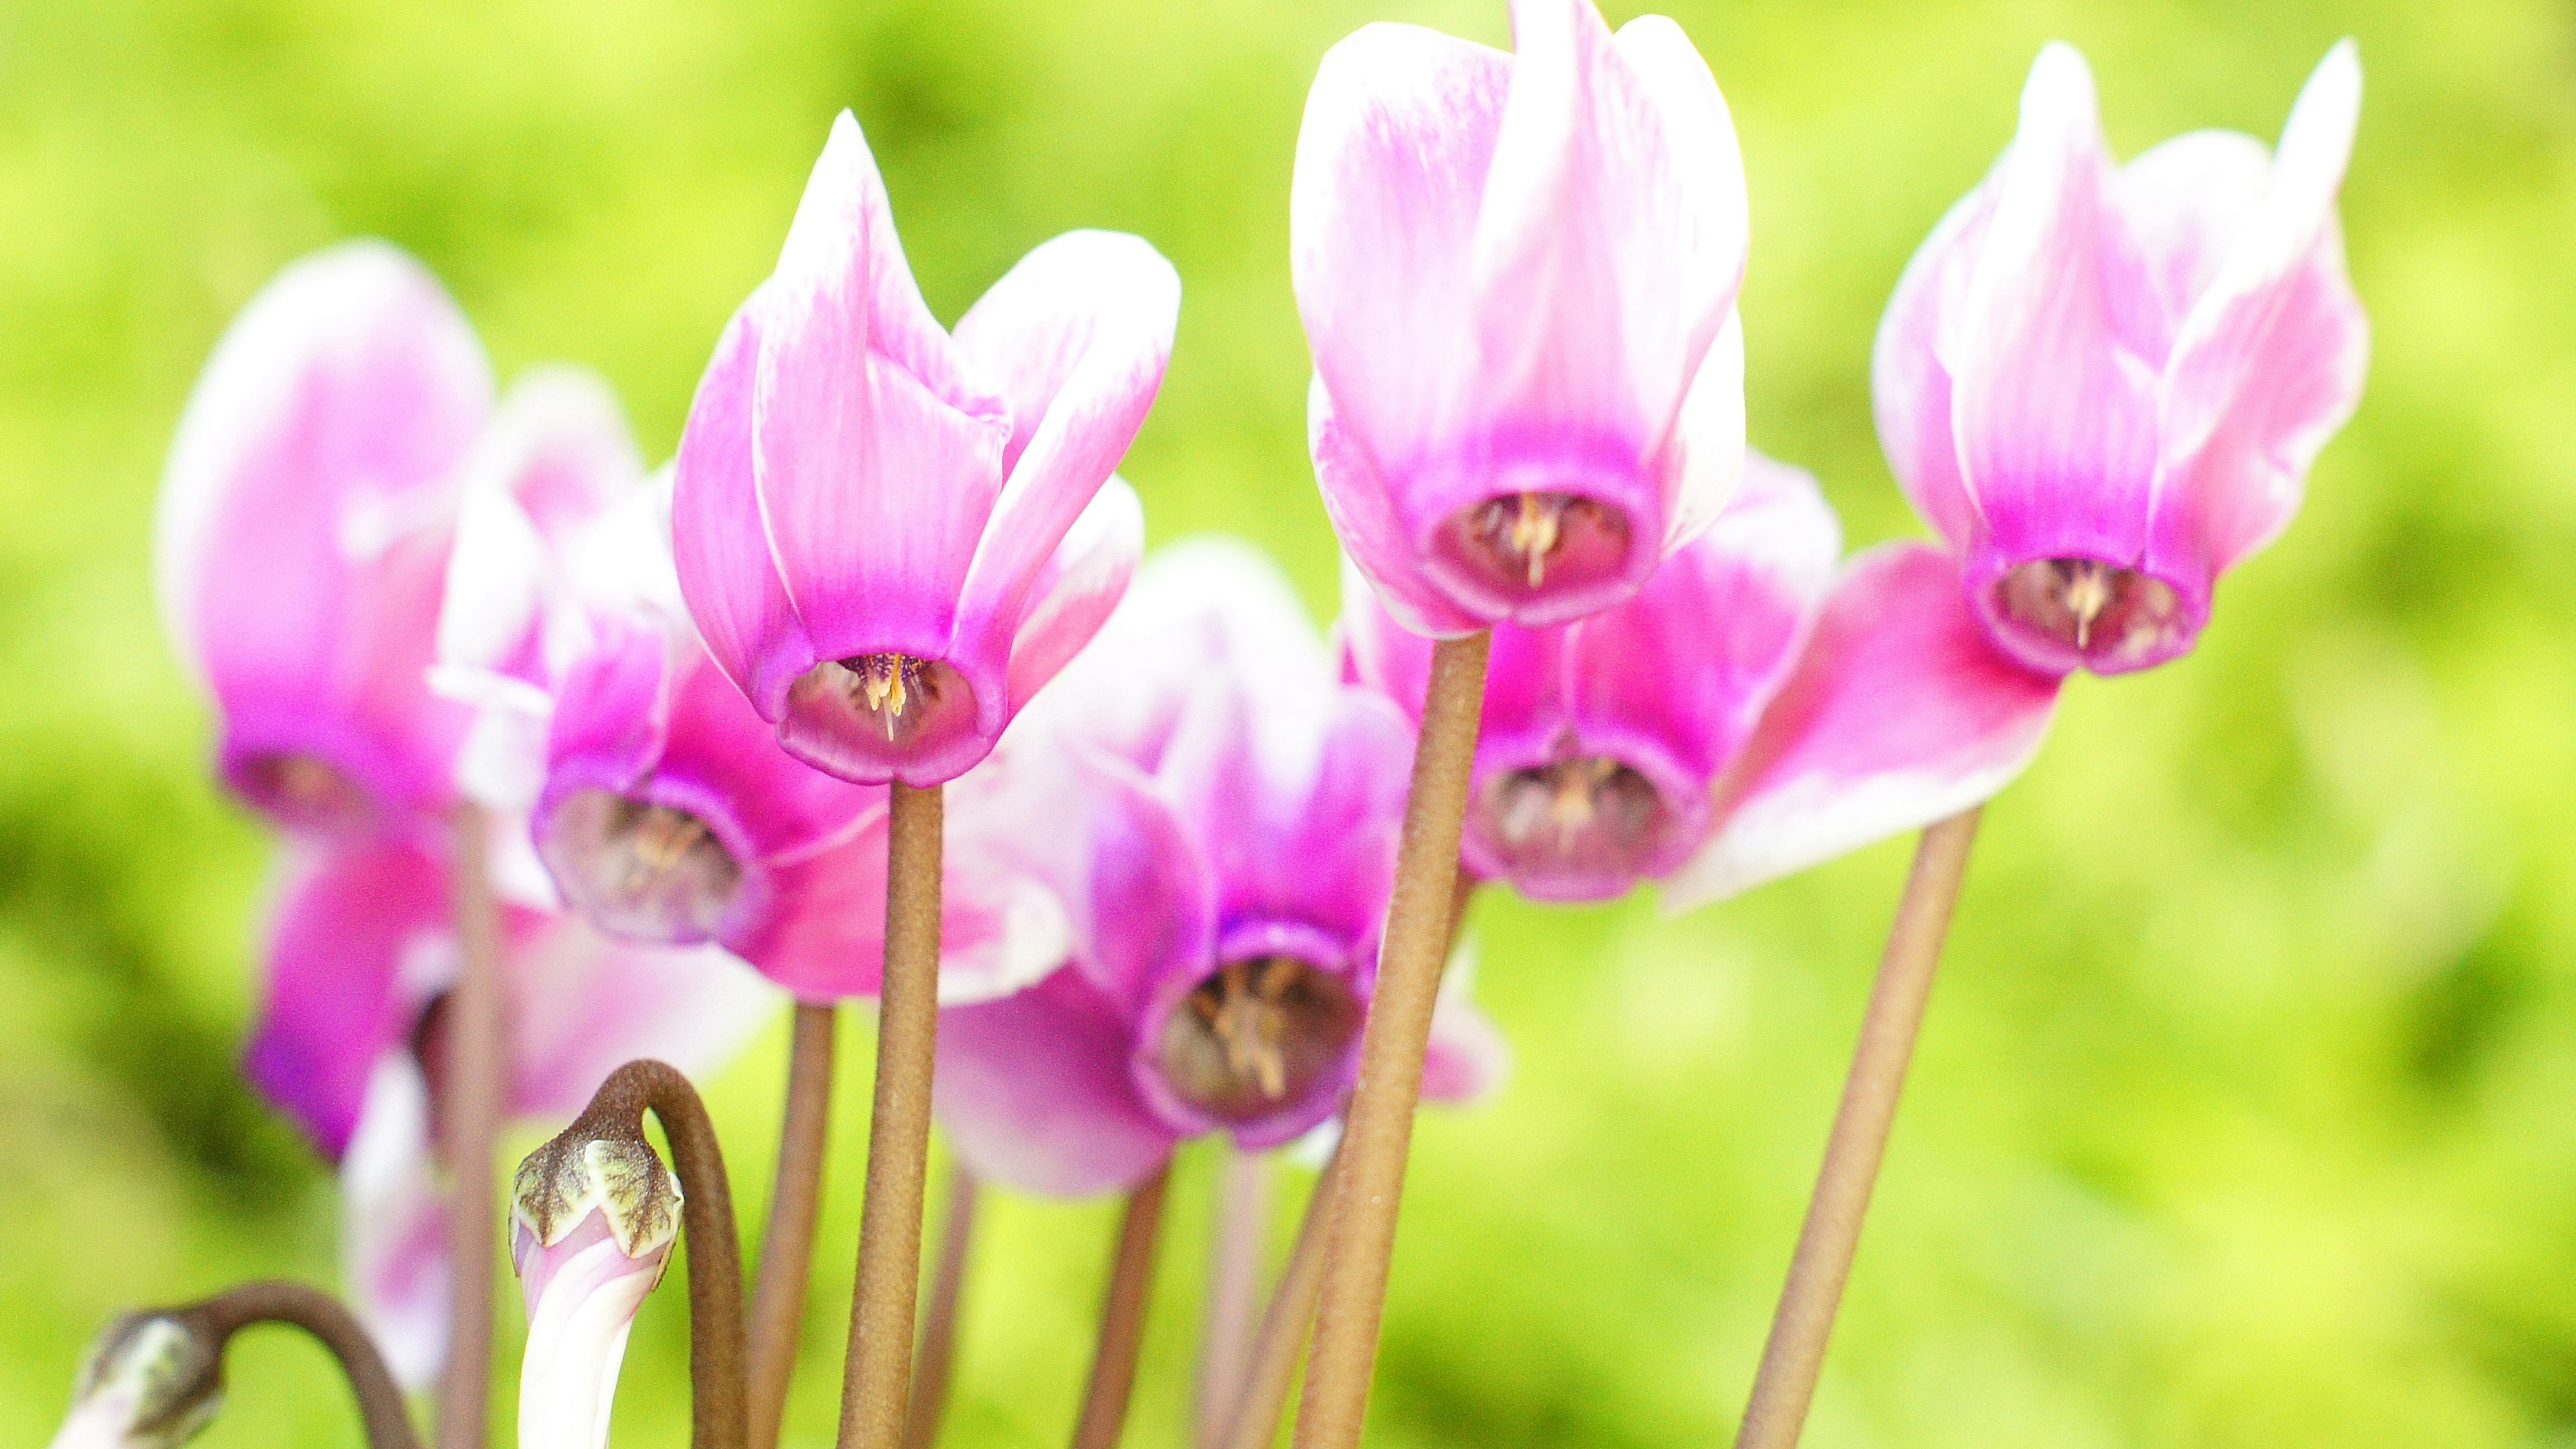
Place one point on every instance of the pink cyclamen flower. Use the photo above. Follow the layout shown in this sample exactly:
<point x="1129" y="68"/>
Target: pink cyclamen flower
<point x="1518" y="275"/>
<point x="589" y="1242"/>
<point x="351" y="1044"/>
<point x="660" y="803"/>
<point x="2104" y="385"/>
<point x="876" y="521"/>
<point x="1228" y="817"/>
<point x="1745" y="715"/>
<point x="303" y="533"/>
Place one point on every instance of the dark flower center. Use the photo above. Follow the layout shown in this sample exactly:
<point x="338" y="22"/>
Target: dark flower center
<point x="2104" y="613"/>
<point x="1515" y="540"/>
<point x="1586" y="813"/>
<point x="303" y="789"/>
<point x="1255" y="1035"/>
<point x="893" y="694"/>
<point x="638" y="869"/>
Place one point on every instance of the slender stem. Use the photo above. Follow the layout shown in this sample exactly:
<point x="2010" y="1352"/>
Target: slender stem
<point x="1283" y="1326"/>
<point x="1795" y="1354"/>
<point x="876" y="1381"/>
<point x="380" y="1400"/>
<point x="787" y="1247"/>
<point x="469" y="1121"/>
<point x="1380" y="1123"/>
<point x="706" y="1215"/>
<point x="1122" y="1317"/>
<point x="934" y="1362"/>
<point x="1234" y="1289"/>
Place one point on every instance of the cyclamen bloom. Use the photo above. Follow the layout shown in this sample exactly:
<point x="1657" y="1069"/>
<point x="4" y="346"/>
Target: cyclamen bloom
<point x="660" y="803"/>
<point x="1229" y="816"/>
<point x="2105" y="386"/>
<point x="303" y="533"/>
<point x="1744" y="716"/>
<point x="351" y="1043"/>
<point x="1518" y="275"/>
<point x="891" y="537"/>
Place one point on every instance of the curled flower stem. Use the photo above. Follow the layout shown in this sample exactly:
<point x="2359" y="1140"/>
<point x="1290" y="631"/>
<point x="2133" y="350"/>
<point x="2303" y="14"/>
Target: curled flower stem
<point x="937" y="1356"/>
<point x="215" y="1320"/>
<point x="1255" y="1422"/>
<point x="1122" y="1317"/>
<point x="469" y="1122"/>
<point x="876" y="1381"/>
<point x="716" y="1418"/>
<point x="1795" y="1354"/>
<point x="787" y="1246"/>
<point x="1234" y="1288"/>
<point x="1380" y="1123"/>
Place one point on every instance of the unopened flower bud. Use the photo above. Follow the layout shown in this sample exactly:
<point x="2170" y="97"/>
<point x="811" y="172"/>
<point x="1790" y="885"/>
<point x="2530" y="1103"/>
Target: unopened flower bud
<point x="593" y="1218"/>
<point x="151" y="1382"/>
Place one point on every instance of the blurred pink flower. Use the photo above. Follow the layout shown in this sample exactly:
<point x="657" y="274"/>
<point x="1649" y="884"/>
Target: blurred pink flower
<point x="891" y="537"/>
<point x="1518" y="276"/>
<point x="1743" y="716"/>
<point x="1227" y="818"/>
<point x="2104" y="386"/>
<point x="661" y="805"/>
<point x="303" y="535"/>
<point x="350" y="1040"/>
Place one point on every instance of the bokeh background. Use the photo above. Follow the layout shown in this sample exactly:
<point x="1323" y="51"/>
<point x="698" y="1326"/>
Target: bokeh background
<point x="2246" y="1114"/>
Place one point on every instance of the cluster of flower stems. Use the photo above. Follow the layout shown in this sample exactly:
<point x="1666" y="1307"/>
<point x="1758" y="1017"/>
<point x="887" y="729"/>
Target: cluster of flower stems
<point x="1330" y="1291"/>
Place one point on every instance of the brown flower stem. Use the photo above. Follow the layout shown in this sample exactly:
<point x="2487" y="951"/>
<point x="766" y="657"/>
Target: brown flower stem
<point x="1273" y="1363"/>
<point x="1379" y="1130"/>
<point x="1795" y="1354"/>
<point x="1122" y="1317"/>
<point x="876" y="1380"/>
<point x="787" y="1246"/>
<point x="1234" y="1289"/>
<point x="469" y="1123"/>
<point x="617" y="1110"/>
<point x="936" y="1359"/>
<point x="215" y="1320"/>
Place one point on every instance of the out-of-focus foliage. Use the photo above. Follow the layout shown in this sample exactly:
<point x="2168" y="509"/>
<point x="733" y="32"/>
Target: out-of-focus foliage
<point x="2246" y="1115"/>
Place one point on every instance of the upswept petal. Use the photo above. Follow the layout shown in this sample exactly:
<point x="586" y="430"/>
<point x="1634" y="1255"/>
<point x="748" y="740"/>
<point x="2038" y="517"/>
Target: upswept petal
<point x="1077" y="590"/>
<point x="1706" y="454"/>
<point x="2055" y="420"/>
<point x="1392" y="157"/>
<point x="613" y="709"/>
<point x="393" y="1230"/>
<point x="340" y="993"/>
<point x="1141" y="898"/>
<point x="1034" y="1092"/>
<point x="1910" y="381"/>
<point x="1375" y="540"/>
<point x="1611" y="236"/>
<point x="1900" y="714"/>
<point x="1079" y="333"/>
<point x="878" y="456"/>
<point x="338" y="404"/>
<point x="583" y="1004"/>
<point x="2183" y="202"/>
<point x="718" y="540"/>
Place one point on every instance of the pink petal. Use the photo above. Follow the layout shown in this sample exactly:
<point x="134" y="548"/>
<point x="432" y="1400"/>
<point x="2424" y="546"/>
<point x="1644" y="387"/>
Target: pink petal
<point x="560" y="447"/>
<point x="1468" y="1057"/>
<point x="1077" y="589"/>
<point x="1901" y="714"/>
<point x="2184" y="203"/>
<point x="878" y="456"/>
<point x="1080" y="333"/>
<point x="718" y="539"/>
<point x="1143" y="903"/>
<point x="1377" y="543"/>
<point x="1910" y="381"/>
<point x="582" y="1295"/>
<point x="2270" y="360"/>
<point x="2055" y="420"/>
<point x="1707" y="448"/>
<point x="393" y="1227"/>
<point x="582" y="1005"/>
<point x="1391" y="160"/>
<point x="347" y="922"/>
<point x="1034" y="1092"/>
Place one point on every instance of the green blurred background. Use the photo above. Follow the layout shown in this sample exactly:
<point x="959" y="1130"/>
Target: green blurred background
<point x="2246" y="1114"/>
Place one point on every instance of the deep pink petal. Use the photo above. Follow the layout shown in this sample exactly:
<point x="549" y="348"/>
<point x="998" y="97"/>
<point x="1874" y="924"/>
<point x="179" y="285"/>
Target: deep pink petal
<point x="1392" y="156"/>
<point x="1900" y="714"/>
<point x="336" y="1001"/>
<point x="878" y="456"/>
<point x="1374" y="538"/>
<point x="718" y="538"/>
<point x="1077" y="589"/>
<point x="1080" y="333"/>
<point x="1034" y="1092"/>
<point x="2054" y="418"/>
<point x="1144" y="903"/>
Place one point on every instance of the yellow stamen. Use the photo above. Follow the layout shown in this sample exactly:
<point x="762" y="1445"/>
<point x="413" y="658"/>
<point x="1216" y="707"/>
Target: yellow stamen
<point x="662" y="838"/>
<point x="1533" y="533"/>
<point x="1244" y="1014"/>
<point x="2088" y="593"/>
